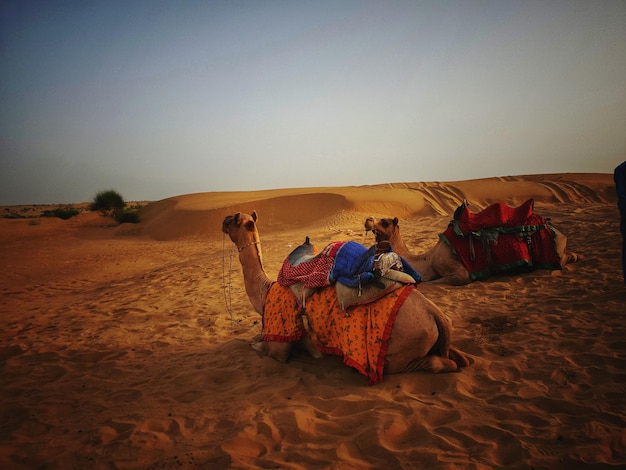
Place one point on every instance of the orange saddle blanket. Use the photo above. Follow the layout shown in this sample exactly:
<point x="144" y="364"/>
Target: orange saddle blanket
<point x="360" y="333"/>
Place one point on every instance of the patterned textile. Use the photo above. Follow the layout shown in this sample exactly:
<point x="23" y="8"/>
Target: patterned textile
<point x="281" y="315"/>
<point x="313" y="272"/>
<point x="502" y="239"/>
<point x="360" y="334"/>
<point x="349" y="296"/>
<point x="349" y="263"/>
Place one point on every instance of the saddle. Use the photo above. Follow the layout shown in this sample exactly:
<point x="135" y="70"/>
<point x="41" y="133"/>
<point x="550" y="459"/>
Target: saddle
<point x="497" y="216"/>
<point x="359" y="275"/>
<point x="302" y="253"/>
<point x="501" y="239"/>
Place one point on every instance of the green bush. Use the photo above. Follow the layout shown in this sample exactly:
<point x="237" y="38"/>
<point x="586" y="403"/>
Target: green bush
<point x="109" y="201"/>
<point x="127" y="217"/>
<point x="62" y="213"/>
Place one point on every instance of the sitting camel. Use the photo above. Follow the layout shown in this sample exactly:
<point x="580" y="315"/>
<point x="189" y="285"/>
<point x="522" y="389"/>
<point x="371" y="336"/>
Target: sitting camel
<point x="420" y="336"/>
<point x="438" y="264"/>
<point x="441" y="263"/>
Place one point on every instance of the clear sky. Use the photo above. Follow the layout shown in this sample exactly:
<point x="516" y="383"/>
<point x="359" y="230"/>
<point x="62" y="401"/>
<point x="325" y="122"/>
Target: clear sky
<point x="162" y="98"/>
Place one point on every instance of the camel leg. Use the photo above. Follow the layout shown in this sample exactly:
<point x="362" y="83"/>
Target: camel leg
<point x="420" y="340"/>
<point x="569" y="257"/>
<point x="448" y="266"/>
<point x="438" y="364"/>
<point x="460" y="276"/>
<point x="561" y="242"/>
<point x="308" y="345"/>
<point x="456" y="279"/>
<point x="460" y="359"/>
<point x="432" y="363"/>
<point x="274" y="349"/>
<point x="281" y="351"/>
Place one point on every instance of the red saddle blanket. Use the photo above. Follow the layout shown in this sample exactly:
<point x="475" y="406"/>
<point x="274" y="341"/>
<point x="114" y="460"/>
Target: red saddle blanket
<point x="360" y="334"/>
<point x="496" y="215"/>
<point x="502" y="239"/>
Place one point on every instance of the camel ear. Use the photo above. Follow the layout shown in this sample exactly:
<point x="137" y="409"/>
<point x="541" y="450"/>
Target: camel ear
<point x="395" y="221"/>
<point x="227" y="221"/>
<point x="254" y="216"/>
<point x="236" y="218"/>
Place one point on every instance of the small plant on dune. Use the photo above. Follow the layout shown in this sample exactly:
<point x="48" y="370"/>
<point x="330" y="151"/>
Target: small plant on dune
<point x="127" y="217"/>
<point x="62" y="213"/>
<point x="110" y="202"/>
<point x="9" y="214"/>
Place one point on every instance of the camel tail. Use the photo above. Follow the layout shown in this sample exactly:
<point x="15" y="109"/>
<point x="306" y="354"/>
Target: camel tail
<point x="443" y="347"/>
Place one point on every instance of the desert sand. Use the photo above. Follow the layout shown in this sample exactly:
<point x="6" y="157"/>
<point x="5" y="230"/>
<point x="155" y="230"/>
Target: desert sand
<point x="128" y="347"/>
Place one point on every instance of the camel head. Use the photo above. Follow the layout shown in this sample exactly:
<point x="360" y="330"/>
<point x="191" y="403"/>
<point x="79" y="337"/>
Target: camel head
<point x="241" y="228"/>
<point x="383" y="229"/>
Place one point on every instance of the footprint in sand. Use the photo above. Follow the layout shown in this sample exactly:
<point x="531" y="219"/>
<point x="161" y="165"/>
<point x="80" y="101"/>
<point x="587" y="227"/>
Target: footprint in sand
<point x="47" y="373"/>
<point x="190" y="396"/>
<point x="128" y="395"/>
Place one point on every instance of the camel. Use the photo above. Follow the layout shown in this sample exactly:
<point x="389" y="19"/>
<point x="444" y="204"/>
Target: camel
<point x="420" y="338"/>
<point x="440" y="264"/>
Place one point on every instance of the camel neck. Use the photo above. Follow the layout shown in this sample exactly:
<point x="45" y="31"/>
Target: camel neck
<point x="398" y="245"/>
<point x="421" y="263"/>
<point x="256" y="281"/>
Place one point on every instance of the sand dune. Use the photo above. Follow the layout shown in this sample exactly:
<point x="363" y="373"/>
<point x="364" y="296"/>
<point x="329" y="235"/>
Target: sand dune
<point x="201" y="214"/>
<point x="128" y="346"/>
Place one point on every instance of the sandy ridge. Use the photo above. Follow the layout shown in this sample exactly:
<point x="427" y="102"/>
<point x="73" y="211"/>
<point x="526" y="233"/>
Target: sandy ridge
<point x="201" y="214"/>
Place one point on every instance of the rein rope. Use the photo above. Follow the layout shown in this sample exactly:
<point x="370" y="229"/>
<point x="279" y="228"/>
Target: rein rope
<point x="228" y="298"/>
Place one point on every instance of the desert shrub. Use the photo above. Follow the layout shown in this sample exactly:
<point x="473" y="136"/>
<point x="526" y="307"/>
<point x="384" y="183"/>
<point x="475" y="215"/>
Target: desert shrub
<point x="136" y="206"/>
<point x="109" y="201"/>
<point x="127" y="217"/>
<point x="62" y="213"/>
<point x="9" y="214"/>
